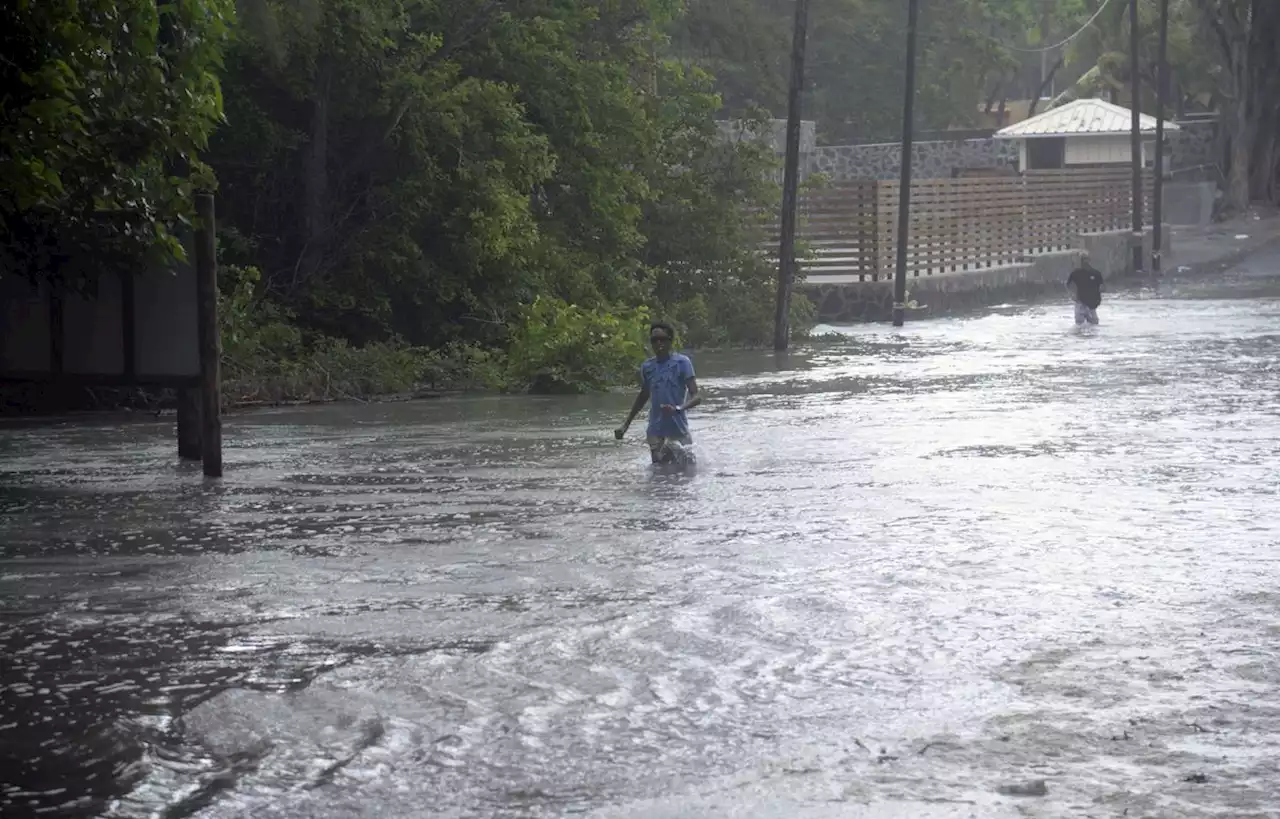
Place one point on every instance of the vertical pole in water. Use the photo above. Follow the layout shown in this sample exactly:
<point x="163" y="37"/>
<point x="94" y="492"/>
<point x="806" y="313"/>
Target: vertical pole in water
<point x="1135" y="137"/>
<point x="904" y="188"/>
<point x="791" y="183"/>
<point x="210" y="346"/>
<point x="1162" y="91"/>
<point x="189" y="448"/>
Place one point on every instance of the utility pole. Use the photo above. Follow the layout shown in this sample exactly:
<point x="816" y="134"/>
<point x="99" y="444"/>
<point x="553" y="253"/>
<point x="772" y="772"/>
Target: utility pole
<point x="1162" y="91"/>
<point x="1044" y="54"/>
<point x="209" y="339"/>
<point x="791" y="183"/>
<point x="1135" y="137"/>
<point x="904" y="188"/>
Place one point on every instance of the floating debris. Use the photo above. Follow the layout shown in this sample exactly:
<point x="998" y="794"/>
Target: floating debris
<point x="1035" y="787"/>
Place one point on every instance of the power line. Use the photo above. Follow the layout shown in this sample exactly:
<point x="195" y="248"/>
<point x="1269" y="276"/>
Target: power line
<point x="1056" y="46"/>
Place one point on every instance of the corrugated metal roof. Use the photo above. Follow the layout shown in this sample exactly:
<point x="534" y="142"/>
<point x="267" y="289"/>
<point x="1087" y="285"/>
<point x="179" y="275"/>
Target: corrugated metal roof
<point x="1081" y="117"/>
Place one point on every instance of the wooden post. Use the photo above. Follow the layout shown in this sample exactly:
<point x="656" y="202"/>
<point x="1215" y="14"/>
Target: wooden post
<point x="210" y="346"/>
<point x="1135" y="136"/>
<point x="904" y="188"/>
<point x="791" y="183"/>
<point x="1162" y="91"/>
<point x="189" y="423"/>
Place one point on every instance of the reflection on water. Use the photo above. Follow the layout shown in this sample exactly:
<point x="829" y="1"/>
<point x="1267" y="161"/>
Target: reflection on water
<point x="912" y="567"/>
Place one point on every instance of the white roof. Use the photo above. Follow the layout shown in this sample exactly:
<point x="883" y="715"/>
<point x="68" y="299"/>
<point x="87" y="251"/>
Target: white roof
<point x="1081" y="117"/>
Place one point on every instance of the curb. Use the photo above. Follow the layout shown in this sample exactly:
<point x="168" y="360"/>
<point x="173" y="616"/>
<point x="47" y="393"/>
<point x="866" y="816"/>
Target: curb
<point x="1225" y="262"/>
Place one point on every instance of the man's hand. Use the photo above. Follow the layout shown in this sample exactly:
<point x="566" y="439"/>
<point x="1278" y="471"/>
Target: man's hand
<point x="670" y="409"/>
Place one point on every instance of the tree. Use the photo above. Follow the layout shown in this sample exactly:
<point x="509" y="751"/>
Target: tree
<point x="107" y="106"/>
<point x="1101" y="53"/>
<point x="854" y="71"/>
<point x="1244" y="34"/>
<point x="380" y="189"/>
<point x="425" y="169"/>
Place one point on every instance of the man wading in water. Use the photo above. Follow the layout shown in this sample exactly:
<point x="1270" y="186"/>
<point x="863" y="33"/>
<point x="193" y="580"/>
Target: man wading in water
<point x="667" y="383"/>
<point x="1085" y="286"/>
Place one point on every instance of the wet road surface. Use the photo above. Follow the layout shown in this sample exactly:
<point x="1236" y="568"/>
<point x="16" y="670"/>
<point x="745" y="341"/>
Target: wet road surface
<point x="916" y="574"/>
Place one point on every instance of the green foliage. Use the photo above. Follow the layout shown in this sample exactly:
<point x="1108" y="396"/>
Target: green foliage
<point x="466" y="366"/>
<point x="266" y="357"/>
<point x="405" y="169"/>
<point x="106" y="105"/>
<point x="382" y="190"/>
<point x="1102" y="52"/>
<point x="854" y="68"/>
<point x="737" y="315"/>
<point x="565" y="348"/>
<point x="448" y="192"/>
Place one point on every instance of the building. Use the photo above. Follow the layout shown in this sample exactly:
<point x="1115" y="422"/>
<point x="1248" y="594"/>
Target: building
<point x="1083" y="133"/>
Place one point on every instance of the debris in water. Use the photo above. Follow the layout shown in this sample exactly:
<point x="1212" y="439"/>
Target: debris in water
<point x="1196" y="778"/>
<point x="1035" y="787"/>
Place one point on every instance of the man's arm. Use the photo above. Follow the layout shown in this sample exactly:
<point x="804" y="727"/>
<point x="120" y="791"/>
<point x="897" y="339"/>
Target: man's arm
<point x="695" y="398"/>
<point x="636" y="407"/>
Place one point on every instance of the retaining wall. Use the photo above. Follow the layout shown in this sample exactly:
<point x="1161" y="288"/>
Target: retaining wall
<point x="847" y="303"/>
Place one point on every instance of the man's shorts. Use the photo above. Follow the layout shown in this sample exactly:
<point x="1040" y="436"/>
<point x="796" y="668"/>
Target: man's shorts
<point x="1086" y="314"/>
<point x="675" y="450"/>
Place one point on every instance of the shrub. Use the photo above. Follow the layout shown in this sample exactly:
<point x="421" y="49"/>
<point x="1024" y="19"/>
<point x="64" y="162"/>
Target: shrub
<point x="564" y="348"/>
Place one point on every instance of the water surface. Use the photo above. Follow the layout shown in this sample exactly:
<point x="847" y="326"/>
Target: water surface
<point x="913" y="568"/>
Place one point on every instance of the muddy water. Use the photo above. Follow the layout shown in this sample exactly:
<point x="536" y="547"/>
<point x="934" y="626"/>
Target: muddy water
<point x="914" y="569"/>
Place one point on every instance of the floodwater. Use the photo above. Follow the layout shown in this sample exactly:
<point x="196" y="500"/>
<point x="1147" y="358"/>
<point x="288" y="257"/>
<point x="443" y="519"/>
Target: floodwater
<point x="917" y="573"/>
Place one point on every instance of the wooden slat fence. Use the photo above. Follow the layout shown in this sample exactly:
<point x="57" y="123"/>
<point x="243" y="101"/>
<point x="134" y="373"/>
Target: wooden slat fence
<point x="959" y="224"/>
<point x="837" y="229"/>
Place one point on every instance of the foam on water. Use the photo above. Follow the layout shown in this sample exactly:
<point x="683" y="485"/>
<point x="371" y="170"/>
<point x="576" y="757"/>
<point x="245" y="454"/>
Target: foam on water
<point x="917" y="566"/>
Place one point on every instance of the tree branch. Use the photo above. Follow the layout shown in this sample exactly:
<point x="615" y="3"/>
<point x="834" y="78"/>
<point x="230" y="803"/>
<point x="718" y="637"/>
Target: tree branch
<point x="468" y="32"/>
<point x="1044" y="84"/>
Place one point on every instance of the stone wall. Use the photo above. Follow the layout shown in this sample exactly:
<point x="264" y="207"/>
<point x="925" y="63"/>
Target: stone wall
<point x="930" y="160"/>
<point x="1193" y="146"/>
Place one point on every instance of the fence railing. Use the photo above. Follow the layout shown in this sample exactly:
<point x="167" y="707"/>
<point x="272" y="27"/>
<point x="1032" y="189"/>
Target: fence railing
<point x="960" y="224"/>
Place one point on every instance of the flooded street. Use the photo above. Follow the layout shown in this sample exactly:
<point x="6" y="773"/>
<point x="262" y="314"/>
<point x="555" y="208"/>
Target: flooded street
<point x="916" y="573"/>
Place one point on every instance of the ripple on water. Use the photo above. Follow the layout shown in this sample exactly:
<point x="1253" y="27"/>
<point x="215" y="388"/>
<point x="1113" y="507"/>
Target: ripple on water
<point x="914" y="568"/>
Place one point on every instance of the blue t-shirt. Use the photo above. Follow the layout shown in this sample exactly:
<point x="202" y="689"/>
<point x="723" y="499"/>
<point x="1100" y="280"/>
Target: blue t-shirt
<point x="667" y="382"/>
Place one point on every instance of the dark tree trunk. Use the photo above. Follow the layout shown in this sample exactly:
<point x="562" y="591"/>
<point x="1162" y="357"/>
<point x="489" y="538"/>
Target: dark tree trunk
<point x="315" y="206"/>
<point x="1262" y="184"/>
<point x="996" y="92"/>
<point x="1265" y="102"/>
